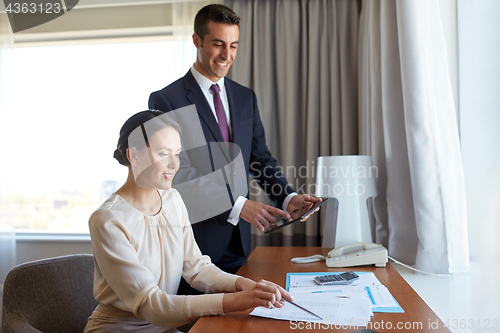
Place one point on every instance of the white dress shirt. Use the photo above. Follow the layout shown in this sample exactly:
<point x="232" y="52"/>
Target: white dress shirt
<point x="205" y="84"/>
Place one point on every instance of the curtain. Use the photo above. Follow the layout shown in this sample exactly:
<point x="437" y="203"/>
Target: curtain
<point x="183" y="14"/>
<point x="7" y="236"/>
<point x="300" y="59"/>
<point x="408" y="124"/>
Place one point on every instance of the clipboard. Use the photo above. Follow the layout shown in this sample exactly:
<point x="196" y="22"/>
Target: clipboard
<point x="396" y="309"/>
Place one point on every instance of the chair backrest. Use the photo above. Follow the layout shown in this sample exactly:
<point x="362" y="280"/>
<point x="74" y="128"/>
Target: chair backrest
<point x="49" y="295"/>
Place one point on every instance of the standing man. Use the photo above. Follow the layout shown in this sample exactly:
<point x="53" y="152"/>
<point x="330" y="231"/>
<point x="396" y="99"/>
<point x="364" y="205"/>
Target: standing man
<point x="228" y="112"/>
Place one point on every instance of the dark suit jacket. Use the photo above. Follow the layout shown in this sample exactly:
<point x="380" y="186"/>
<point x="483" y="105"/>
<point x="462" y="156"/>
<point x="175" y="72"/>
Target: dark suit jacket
<point x="213" y="235"/>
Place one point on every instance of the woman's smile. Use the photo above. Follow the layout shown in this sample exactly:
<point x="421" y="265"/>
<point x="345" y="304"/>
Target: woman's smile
<point x="169" y="176"/>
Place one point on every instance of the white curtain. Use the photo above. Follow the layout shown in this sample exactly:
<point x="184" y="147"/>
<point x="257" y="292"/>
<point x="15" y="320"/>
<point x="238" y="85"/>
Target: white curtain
<point x="408" y="124"/>
<point x="300" y="59"/>
<point x="7" y="236"/>
<point x="183" y="14"/>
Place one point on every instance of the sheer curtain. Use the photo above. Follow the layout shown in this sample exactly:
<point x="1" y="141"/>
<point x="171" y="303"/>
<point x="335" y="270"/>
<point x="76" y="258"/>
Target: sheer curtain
<point x="408" y="124"/>
<point x="348" y="77"/>
<point x="7" y="236"/>
<point x="183" y="14"/>
<point x="299" y="58"/>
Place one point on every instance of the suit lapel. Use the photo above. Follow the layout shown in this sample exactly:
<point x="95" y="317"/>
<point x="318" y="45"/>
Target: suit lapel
<point x="196" y="96"/>
<point x="234" y="109"/>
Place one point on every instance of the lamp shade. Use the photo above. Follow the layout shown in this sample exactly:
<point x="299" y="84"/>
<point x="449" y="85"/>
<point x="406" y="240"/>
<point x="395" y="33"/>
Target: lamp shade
<point x="350" y="180"/>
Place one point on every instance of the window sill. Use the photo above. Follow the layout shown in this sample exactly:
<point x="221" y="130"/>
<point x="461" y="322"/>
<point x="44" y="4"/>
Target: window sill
<point x="44" y="236"/>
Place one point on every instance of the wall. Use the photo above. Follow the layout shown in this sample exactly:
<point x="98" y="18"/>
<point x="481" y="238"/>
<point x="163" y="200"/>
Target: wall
<point x="29" y="250"/>
<point x="479" y="85"/>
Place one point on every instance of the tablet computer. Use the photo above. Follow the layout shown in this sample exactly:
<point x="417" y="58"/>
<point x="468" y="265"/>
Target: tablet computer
<point x="283" y="222"/>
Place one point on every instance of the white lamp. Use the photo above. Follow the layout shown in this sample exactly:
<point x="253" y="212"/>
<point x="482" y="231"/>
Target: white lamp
<point x="351" y="180"/>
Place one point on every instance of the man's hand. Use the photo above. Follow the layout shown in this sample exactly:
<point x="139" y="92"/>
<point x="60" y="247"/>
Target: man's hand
<point x="302" y="203"/>
<point x="261" y="215"/>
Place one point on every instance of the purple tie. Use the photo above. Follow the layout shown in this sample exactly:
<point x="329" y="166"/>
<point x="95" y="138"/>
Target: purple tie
<point x="219" y="111"/>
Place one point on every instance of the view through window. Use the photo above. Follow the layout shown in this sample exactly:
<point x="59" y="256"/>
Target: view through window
<point x="66" y="105"/>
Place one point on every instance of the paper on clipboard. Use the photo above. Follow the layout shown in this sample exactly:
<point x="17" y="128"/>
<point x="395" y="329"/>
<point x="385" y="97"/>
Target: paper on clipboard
<point x="367" y="286"/>
<point x="333" y="312"/>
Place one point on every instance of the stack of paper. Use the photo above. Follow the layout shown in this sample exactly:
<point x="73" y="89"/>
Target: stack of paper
<point x="367" y="285"/>
<point x="353" y="311"/>
<point x="346" y="305"/>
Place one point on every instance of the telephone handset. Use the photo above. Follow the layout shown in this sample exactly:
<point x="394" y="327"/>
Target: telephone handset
<point x="356" y="254"/>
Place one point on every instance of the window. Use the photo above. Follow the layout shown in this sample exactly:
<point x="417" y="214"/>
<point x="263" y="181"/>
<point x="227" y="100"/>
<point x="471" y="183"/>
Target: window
<point x="66" y="105"/>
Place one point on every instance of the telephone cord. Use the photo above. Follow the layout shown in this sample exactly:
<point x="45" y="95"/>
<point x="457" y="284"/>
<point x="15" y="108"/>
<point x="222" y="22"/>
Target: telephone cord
<point x="417" y="270"/>
<point x="306" y="260"/>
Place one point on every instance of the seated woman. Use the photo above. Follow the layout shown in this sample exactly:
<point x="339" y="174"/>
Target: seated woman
<point x="143" y="243"/>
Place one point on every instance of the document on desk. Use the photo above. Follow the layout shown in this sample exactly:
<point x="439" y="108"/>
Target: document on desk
<point x="367" y="285"/>
<point x="341" y="311"/>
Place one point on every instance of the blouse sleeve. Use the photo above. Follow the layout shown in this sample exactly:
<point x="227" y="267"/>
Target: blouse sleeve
<point x="198" y="269"/>
<point x="134" y="284"/>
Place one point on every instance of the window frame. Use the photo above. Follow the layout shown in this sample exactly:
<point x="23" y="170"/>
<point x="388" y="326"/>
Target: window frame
<point x="74" y="38"/>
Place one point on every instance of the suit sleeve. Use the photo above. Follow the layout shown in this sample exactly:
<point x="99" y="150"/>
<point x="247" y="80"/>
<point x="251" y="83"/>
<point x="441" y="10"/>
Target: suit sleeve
<point x="263" y="166"/>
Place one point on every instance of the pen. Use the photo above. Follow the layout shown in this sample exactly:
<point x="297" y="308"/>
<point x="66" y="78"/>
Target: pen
<point x="301" y="307"/>
<point x="330" y="291"/>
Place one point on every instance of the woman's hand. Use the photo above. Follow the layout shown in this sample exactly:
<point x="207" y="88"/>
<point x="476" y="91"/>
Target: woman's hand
<point x="243" y="283"/>
<point x="253" y="294"/>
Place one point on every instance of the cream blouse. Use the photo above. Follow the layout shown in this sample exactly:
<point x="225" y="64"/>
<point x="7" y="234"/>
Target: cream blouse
<point x="139" y="261"/>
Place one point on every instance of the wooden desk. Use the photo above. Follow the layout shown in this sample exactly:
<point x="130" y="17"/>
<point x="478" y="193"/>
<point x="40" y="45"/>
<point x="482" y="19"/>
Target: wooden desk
<point x="272" y="263"/>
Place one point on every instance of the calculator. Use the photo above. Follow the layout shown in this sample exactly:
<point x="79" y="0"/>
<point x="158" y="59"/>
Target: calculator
<point x="334" y="279"/>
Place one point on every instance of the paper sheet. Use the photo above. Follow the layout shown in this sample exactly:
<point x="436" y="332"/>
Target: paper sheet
<point x="367" y="285"/>
<point x="338" y="304"/>
<point x="354" y="312"/>
<point x="378" y="296"/>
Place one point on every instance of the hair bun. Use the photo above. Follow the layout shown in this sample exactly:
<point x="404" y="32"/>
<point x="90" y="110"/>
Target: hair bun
<point x="134" y="122"/>
<point x="118" y="155"/>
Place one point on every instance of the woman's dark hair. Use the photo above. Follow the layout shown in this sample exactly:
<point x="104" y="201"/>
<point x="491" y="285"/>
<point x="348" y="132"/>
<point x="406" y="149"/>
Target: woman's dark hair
<point x="134" y="131"/>
<point x="216" y="13"/>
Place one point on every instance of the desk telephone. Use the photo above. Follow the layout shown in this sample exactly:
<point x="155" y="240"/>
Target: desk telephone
<point x="356" y="254"/>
